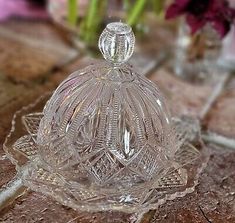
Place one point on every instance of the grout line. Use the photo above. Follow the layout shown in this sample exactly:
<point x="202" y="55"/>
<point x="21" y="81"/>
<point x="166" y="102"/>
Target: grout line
<point x="219" y="139"/>
<point x="219" y="87"/>
<point x="11" y="191"/>
<point x="155" y="64"/>
<point x="204" y="215"/>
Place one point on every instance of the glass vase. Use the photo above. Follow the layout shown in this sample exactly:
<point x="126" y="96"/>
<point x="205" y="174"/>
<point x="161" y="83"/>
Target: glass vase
<point x="227" y="56"/>
<point x="195" y="56"/>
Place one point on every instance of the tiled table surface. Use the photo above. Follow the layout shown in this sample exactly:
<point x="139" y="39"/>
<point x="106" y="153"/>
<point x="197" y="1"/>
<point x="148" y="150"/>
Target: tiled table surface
<point x="32" y="62"/>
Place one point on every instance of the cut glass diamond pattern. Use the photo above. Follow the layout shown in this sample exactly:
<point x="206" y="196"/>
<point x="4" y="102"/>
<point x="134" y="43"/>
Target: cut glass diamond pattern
<point x="43" y="177"/>
<point x="103" y="166"/>
<point x="147" y="163"/>
<point x="26" y="145"/>
<point x="31" y="122"/>
<point x="186" y="154"/>
<point x="174" y="178"/>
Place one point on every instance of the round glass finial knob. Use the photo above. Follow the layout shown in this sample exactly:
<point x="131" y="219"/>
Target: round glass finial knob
<point x="117" y="42"/>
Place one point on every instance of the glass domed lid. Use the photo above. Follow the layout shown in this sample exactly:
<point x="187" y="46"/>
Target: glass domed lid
<point x="105" y="140"/>
<point x="107" y="122"/>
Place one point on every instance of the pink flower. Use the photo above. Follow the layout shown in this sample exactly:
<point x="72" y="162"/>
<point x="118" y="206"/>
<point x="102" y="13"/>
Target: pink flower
<point x="22" y="8"/>
<point x="200" y="12"/>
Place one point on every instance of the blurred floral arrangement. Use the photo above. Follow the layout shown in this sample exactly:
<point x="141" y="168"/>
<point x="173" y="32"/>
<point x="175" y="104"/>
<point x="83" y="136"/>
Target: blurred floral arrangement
<point x="88" y="17"/>
<point x="201" y="36"/>
<point x="84" y="17"/>
<point x="198" y="13"/>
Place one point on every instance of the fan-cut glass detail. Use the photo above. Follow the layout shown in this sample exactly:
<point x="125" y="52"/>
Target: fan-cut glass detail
<point x="26" y="145"/>
<point x="31" y="122"/>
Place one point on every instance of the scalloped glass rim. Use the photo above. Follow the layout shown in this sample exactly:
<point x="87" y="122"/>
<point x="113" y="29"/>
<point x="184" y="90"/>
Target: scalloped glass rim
<point x="155" y="197"/>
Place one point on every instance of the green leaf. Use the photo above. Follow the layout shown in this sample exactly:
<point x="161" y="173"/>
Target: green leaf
<point x="72" y="12"/>
<point x="158" y="6"/>
<point x="136" y="12"/>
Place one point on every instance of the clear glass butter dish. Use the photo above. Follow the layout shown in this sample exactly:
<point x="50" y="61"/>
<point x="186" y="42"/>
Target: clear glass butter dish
<point x="105" y="139"/>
